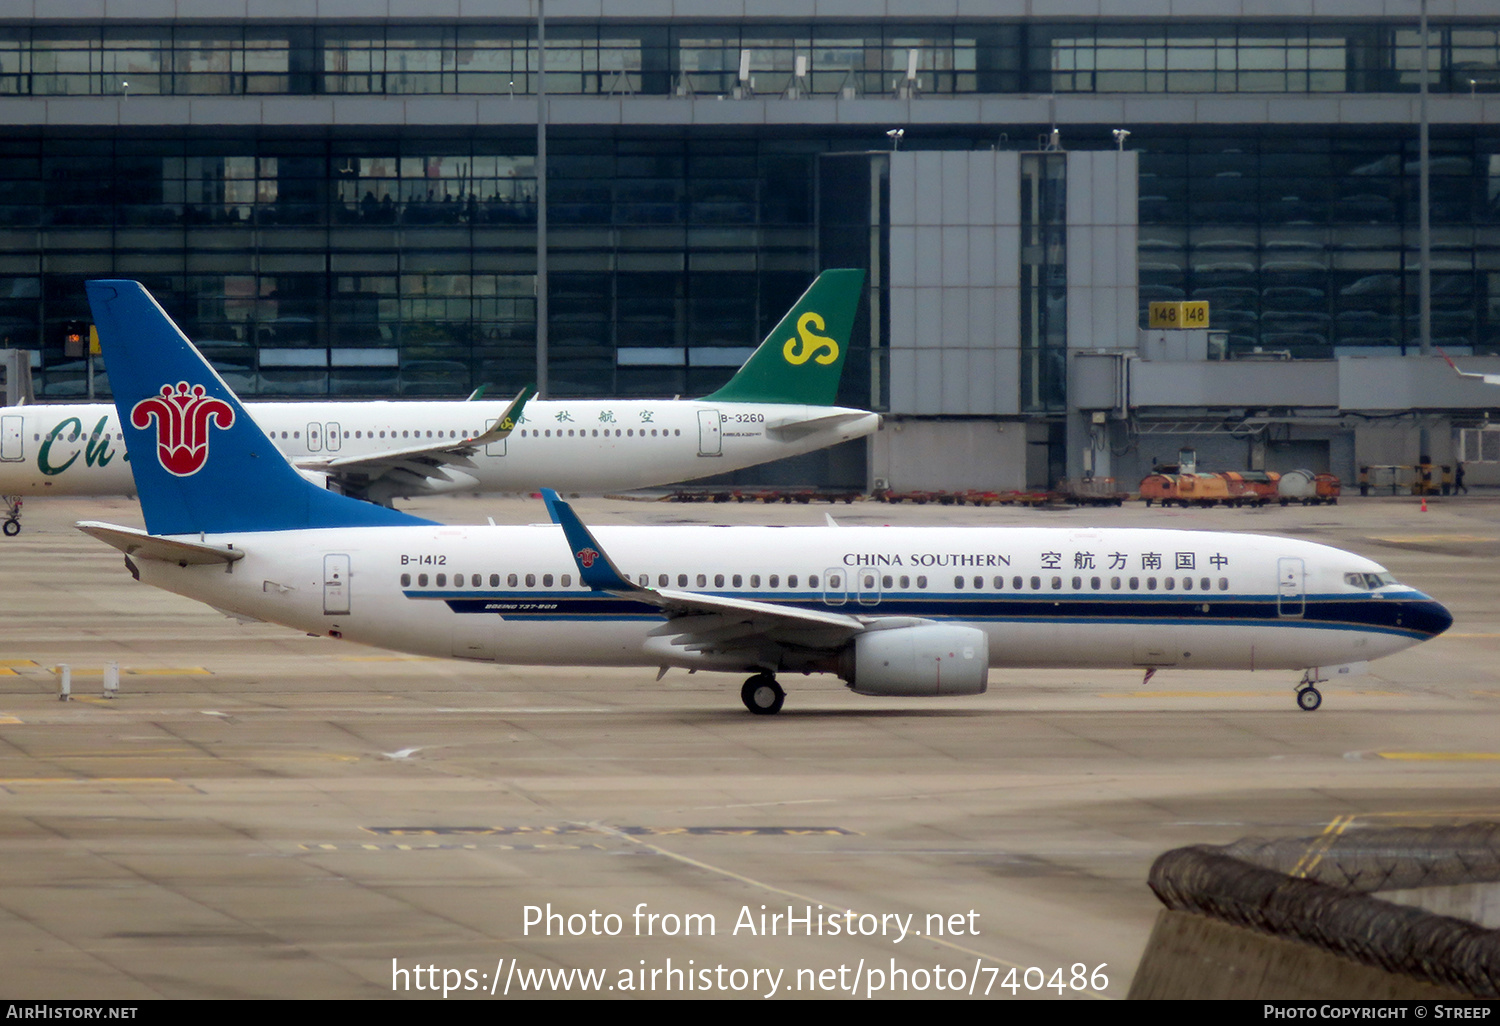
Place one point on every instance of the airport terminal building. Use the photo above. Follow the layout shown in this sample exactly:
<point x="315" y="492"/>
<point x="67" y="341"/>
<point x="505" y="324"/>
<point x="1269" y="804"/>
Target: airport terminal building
<point x="340" y="199"/>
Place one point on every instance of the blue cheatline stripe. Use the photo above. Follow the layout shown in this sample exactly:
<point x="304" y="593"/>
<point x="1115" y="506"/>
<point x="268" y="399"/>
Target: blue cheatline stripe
<point x="1382" y="616"/>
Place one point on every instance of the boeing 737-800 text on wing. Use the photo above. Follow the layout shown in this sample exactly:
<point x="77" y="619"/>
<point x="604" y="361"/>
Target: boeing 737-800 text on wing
<point x="893" y="611"/>
<point x="778" y="404"/>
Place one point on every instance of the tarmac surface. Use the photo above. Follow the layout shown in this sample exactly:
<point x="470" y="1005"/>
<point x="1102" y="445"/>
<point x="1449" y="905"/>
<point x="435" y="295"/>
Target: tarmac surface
<point x="263" y="814"/>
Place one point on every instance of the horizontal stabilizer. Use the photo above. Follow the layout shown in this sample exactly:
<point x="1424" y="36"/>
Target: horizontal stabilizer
<point x="135" y="542"/>
<point x="794" y="429"/>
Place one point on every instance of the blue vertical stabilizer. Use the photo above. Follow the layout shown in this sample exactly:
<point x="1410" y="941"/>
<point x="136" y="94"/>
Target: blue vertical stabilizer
<point x="200" y="463"/>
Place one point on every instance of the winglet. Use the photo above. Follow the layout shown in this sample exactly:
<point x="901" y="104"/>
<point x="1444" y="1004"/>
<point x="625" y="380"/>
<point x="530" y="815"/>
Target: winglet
<point x="503" y="427"/>
<point x="595" y="568"/>
<point x="512" y="415"/>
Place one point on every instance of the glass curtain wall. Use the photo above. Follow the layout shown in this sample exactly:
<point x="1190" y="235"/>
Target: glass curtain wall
<point x="405" y="266"/>
<point x="1044" y="282"/>
<point x="705" y="59"/>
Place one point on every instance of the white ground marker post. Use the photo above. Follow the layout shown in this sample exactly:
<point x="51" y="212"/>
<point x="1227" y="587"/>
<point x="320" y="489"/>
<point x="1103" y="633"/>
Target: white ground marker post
<point x="111" y="679"/>
<point x="65" y="688"/>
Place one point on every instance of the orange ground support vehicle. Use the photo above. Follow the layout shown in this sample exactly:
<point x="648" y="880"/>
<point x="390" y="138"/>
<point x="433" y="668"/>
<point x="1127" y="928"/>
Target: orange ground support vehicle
<point x="1231" y="488"/>
<point x="1308" y="488"/>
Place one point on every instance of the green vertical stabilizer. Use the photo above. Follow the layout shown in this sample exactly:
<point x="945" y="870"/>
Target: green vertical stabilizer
<point x="801" y="359"/>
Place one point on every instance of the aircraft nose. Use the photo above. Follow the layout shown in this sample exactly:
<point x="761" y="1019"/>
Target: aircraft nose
<point x="1428" y="616"/>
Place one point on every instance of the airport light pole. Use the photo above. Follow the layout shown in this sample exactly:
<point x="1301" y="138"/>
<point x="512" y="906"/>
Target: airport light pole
<point x="1424" y="200"/>
<point x="541" y="199"/>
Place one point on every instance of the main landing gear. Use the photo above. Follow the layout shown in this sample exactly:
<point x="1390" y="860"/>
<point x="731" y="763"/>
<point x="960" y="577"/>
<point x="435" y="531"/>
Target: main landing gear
<point x="12" y="525"/>
<point x="1308" y="695"/>
<point x="762" y="695"/>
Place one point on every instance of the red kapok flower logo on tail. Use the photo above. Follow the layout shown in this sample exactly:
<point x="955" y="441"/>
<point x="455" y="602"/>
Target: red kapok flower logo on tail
<point x="182" y="415"/>
<point x="586" y="557"/>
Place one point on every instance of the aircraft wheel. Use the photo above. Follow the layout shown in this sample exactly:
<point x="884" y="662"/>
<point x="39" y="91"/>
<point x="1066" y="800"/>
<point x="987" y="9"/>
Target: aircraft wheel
<point x="762" y="695"/>
<point x="12" y="528"/>
<point x="1309" y="699"/>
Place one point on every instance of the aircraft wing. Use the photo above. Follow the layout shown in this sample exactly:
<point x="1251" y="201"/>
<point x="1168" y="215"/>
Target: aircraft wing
<point x="135" y="542"/>
<point x="708" y="623"/>
<point x="354" y="474"/>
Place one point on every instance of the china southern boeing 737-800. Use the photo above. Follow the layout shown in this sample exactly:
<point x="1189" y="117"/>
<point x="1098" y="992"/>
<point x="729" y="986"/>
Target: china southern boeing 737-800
<point x="892" y="611"/>
<point x="778" y="404"/>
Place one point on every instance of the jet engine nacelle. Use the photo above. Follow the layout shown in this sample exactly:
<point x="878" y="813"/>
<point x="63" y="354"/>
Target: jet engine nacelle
<point x="918" y="661"/>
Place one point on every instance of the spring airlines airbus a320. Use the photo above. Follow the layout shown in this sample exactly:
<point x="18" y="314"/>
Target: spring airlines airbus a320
<point x="778" y="404"/>
<point x="893" y="611"/>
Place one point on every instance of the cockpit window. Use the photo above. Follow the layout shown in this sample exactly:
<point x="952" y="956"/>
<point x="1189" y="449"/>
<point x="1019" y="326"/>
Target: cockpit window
<point x="1369" y="581"/>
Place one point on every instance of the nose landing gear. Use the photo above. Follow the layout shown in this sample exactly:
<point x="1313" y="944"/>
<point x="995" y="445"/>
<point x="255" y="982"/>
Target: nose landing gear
<point x="762" y="695"/>
<point x="1308" y="695"/>
<point x="12" y="526"/>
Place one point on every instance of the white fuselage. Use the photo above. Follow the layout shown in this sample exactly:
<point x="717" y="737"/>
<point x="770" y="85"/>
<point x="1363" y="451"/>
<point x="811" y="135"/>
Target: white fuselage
<point x="1045" y="597"/>
<point x="583" y="445"/>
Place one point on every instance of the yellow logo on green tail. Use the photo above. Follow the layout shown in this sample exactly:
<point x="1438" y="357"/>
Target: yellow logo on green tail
<point x="811" y="343"/>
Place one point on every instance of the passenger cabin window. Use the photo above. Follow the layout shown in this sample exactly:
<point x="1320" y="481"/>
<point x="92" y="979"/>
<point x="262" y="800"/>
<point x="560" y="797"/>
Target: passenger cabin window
<point x="406" y="580"/>
<point x="531" y="580"/>
<point x="703" y="580"/>
<point x="421" y="580"/>
<point x="682" y="580"/>
<point x="494" y="580"/>
<point x="921" y="582"/>
<point x="958" y="582"/>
